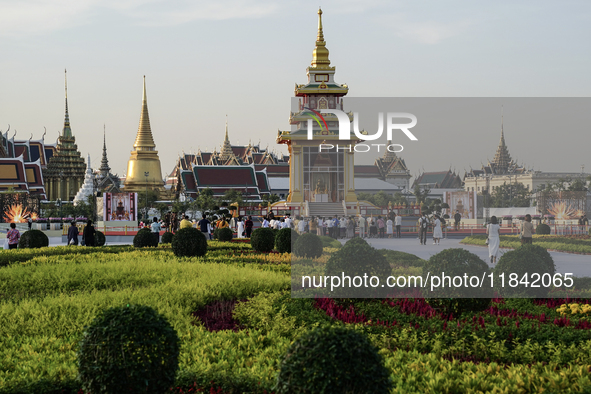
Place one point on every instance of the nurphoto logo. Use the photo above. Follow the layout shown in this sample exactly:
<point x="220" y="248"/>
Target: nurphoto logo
<point x="391" y="120"/>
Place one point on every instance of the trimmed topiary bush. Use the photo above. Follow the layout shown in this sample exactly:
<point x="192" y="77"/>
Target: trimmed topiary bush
<point x="333" y="360"/>
<point x="528" y="259"/>
<point x="167" y="237"/>
<point x="329" y="242"/>
<point x="262" y="240"/>
<point x="285" y="239"/>
<point x="131" y="349"/>
<point x="358" y="259"/>
<point x="189" y="242"/>
<point x="223" y="234"/>
<point x="543" y="229"/>
<point x="99" y="238"/>
<point x="144" y="238"/>
<point x="308" y="245"/>
<point x="452" y="298"/>
<point x="33" y="239"/>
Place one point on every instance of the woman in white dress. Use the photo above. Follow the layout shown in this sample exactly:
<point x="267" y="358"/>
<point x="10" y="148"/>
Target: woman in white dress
<point x="240" y="228"/>
<point x="437" y="234"/>
<point x="389" y="228"/>
<point x="492" y="230"/>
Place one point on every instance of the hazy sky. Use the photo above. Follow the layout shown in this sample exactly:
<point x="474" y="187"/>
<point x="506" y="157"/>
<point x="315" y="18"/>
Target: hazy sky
<point x="203" y="60"/>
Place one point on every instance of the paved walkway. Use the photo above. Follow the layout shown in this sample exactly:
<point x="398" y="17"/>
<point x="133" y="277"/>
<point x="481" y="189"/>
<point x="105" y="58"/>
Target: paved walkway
<point x="578" y="265"/>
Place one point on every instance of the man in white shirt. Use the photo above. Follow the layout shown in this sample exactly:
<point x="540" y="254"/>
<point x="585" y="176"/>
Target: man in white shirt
<point x="329" y="224"/>
<point x="320" y="229"/>
<point x="287" y="222"/>
<point x="265" y="223"/>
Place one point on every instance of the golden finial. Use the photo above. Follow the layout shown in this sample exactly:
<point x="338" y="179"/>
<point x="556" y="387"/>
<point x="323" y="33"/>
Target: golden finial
<point x="320" y="36"/>
<point x="320" y="53"/>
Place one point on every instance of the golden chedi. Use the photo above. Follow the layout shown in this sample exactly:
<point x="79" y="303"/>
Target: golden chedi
<point x="143" y="167"/>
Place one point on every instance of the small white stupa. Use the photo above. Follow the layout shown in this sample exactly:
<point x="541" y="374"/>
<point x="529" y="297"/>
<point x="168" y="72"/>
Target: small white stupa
<point x="87" y="187"/>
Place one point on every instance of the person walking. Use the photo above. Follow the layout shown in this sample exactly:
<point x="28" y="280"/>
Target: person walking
<point x="389" y="228"/>
<point x="73" y="234"/>
<point x="527" y="230"/>
<point x="423" y="227"/>
<point x="437" y="234"/>
<point x="13" y="236"/>
<point x="203" y="225"/>
<point x="88" y="235"/>
<point x="398" y="224"/>
<point x="248" y="226"/>
<point x="494" y="241"/>
<point x="30" y="223"/>
<point x="457" y="219"/>
<point x="156" y="227"/>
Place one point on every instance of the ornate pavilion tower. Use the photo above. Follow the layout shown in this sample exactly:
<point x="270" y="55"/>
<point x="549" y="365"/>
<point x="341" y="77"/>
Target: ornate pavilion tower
<point x="64" y="174"/>
<point x="315" y="176"/>
<point x="143" y="167"/>
<point x="106" y="182"/>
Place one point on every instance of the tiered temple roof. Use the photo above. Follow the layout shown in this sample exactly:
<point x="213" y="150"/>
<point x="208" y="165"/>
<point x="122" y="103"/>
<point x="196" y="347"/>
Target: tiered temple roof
<point x="22" y="172"/>
<point x="439" y="180"/>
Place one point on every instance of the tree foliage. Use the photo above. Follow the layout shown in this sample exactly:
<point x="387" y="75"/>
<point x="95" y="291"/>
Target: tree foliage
<point x="510" y="195"/>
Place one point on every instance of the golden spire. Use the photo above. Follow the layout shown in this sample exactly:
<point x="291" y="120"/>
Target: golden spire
<point x="144" y="139"/>
<point x="320" y="53"/>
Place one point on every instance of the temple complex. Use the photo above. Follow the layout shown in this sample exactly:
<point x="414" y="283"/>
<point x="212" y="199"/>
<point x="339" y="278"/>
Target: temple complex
<point x="64" y="174"/>
<point x="143" y="167"/>
<point x="504" y="170"/>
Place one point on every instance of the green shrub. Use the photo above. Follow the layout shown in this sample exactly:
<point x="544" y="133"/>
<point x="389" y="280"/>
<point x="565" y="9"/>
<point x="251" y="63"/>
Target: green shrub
<point x="285" y="239"/>
<point x="522" y="263"/>
<point x="543" y="229"/>
<point x="223" y="234"/>
<point x="33" y="239"/>
<point x="457" y="299"/>
<point x="358" y="258"/>
<point x="308" y="245"/>
<point x="262" y="240"/>
<point x="99" y="238"/>
<point x="144" y="238"/>
<point x="130" y="349"/>
<point x="189" y="242"/>
<point x="333" y="360"/>
<point x="167" y="237"/>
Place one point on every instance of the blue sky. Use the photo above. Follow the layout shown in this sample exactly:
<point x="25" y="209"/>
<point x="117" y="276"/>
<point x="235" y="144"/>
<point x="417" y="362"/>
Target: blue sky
<point x="203" y="60"/>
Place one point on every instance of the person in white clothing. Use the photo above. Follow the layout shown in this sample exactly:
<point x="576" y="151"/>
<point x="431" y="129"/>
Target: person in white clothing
<point x="240" y="228"/>
<point x="398" y="224"/>
<point x="301" y="226"/>
<point x="265" y="223"/>
<point x="287" y="222"/>
<point x="492" y="230"/>
<point x="389" y="228"/>
<point x="437" y="235"/>
<point x="361" y="226"/>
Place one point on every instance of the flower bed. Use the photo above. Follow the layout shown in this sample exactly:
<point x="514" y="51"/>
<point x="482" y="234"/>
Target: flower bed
<point x="517" y="345"/>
